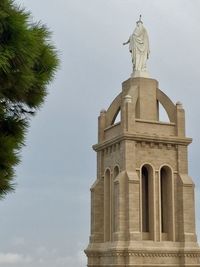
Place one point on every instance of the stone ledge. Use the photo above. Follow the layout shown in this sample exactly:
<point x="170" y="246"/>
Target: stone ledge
<point x="171" y="140"/>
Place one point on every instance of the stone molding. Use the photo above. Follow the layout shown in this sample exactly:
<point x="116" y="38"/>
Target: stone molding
<point x="144" y="253"/>
<point x="171" y="140"/>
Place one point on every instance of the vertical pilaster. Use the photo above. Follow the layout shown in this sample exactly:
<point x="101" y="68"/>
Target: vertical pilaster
<point x="180" y="120"/>
<point x="133" y="204"/>
<point x="157" y="207"/>
<point x="101" y="125"/>
<point x="182" y="159"/>
<point x="147" y="107"/>
<point x="128" y="114"/>
<point x="122" y="229"/>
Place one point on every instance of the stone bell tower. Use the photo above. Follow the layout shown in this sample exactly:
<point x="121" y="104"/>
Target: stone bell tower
<point x="142" y="202"/>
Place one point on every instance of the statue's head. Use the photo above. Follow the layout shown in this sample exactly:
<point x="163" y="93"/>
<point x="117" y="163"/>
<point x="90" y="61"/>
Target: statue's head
<point x="139" y="26"/>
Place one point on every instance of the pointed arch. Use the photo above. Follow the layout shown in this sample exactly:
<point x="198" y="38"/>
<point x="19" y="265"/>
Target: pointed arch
<point x="115" y="171"/>
<point x="162" y="113"/>
<point x="167" y="104"/>
<point x="117" y="117"/>
<point x="147" y="200"/>
<point x="166" y="202"/>
<point x="113" y="109"/>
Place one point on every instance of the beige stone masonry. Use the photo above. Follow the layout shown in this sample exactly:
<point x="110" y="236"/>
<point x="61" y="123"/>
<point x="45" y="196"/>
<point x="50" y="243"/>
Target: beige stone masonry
<point x="142" y="202"/>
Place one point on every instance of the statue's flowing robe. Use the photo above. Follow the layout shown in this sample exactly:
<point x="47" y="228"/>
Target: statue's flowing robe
<point x="139" y="48"/>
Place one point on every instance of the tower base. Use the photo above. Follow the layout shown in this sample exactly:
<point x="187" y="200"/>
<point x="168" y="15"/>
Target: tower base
<point x="140" y="74"/>
<point x="170" y="254"/>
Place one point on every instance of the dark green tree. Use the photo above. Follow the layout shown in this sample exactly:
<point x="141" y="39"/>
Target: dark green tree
<point x="28" y="62"/>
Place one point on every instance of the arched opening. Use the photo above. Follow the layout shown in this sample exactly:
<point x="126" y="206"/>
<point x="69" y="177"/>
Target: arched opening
<point x="147" y="202"/>
<point x="115" y="200"/>
<point x="117" y="117"/>
<point x="168" y="105"/>
<point x="107" y="205"/>
<point x="162" y="114"/>
<point x="166" y="203"/>
<point x="116" y="172"/>
<point x="145" y="199"/>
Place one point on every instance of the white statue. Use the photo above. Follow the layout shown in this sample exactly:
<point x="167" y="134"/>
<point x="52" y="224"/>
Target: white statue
<point x="139" y="48"/>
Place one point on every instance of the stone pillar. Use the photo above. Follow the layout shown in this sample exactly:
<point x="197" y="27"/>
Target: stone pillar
<point x="147" y="105"/>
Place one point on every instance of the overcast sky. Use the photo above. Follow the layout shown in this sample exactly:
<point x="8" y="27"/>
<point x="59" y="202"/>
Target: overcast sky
<point x="45" y="223"/>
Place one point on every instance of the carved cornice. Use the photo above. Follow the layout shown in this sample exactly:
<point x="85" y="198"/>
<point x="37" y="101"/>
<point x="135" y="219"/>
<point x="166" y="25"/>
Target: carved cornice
<point x="154" y="139"/>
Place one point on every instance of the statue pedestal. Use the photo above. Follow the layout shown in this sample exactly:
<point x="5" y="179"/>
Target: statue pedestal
<point x="138" y="73"/>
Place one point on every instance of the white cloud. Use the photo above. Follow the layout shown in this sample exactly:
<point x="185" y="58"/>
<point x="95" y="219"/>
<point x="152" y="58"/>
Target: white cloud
<point x="18" y="241"/>
<point x="77" y="260"/>
<point x="42" y="250"/>
<point x="13" y="258"/>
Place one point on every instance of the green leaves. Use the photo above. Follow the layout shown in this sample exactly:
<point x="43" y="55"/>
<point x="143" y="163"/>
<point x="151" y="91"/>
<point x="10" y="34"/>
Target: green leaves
<point x="28" y="62"/>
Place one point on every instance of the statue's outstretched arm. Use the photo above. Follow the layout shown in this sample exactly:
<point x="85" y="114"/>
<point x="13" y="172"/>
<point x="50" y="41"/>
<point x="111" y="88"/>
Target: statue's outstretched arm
<point x="127" y="42"/>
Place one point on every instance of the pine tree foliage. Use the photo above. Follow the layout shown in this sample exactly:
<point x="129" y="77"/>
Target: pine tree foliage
<point x="28" y="62"/>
